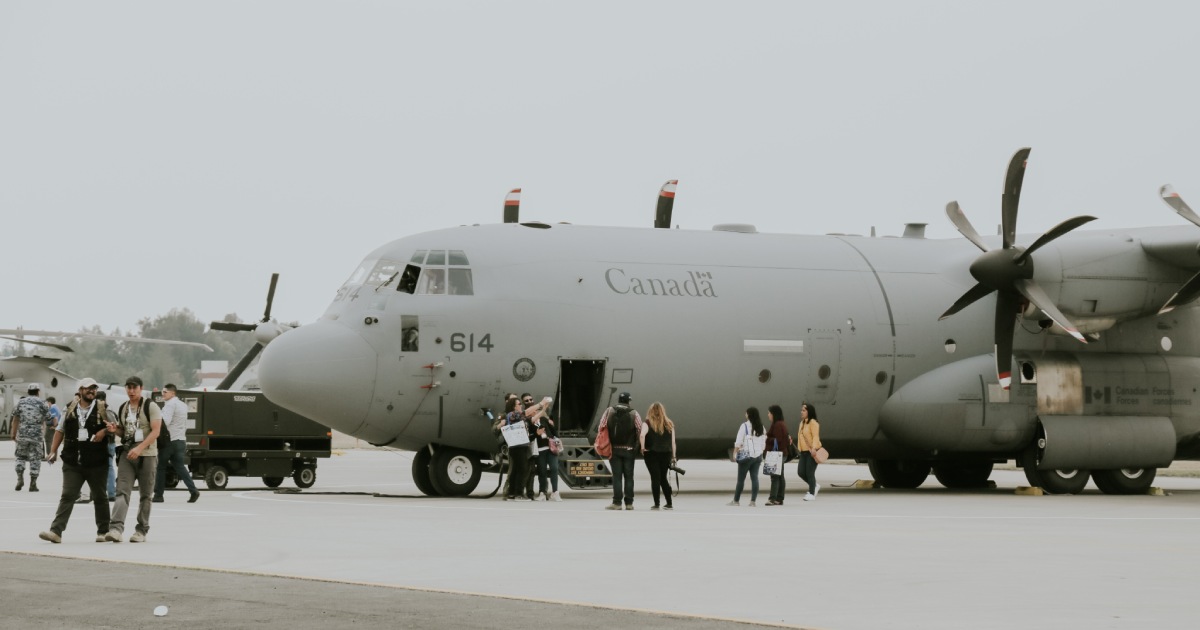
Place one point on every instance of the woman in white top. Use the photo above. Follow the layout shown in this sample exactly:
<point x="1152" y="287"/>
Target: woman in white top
<point x="749" y="446"/>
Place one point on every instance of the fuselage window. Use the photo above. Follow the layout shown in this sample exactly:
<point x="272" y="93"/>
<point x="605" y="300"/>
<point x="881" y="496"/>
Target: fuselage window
<point x="418" y="258"/>
<point x="457" y="257"/>
<point x="433" y="281"/>
<point x="436" y="257"/>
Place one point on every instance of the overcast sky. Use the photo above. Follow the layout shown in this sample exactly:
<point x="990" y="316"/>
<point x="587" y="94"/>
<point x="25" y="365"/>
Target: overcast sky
<point x="157" y="155"/>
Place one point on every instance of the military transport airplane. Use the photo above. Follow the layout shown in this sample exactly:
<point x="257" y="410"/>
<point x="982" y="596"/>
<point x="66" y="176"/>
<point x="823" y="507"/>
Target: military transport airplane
<point x="1077" y="355"/>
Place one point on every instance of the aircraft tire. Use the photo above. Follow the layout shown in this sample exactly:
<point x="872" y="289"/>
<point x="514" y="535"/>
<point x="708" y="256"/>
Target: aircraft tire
<point x="304" y="477"/>
<point x="963" y="474"/>
<point x="272" y="482"/>
<point x="420" y="473"/>
<point x="1053" y="481"/>
<point x="216" y="477"/>
<point x="894" y="473"/>
<point x="1125" y="480"/>
<point x="454" y="473"/>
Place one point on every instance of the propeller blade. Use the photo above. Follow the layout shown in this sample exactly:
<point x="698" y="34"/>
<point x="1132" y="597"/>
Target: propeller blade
<point x="85" y="335"/>
<point x="1006" y="316"/>
<point x="1038" y="298"/>
<point x="241" y="366"/>
<point x="231" y="326"/>
<point x="512" y="206"/>
<point x="1012" y="195"/>
<point x="270" y="297"/>
<point x="1172" y="198"/>
<point x="1185" y="294"/>
<point x="972" y="295"/>
<point x="56" y="346"/>
<point x="1053" y="233"/>
<point x="964" y="226"/>
<point x="666" y="201"/>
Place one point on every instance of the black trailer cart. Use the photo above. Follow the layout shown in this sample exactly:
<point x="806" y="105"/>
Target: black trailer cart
<point x="245" y="435"/>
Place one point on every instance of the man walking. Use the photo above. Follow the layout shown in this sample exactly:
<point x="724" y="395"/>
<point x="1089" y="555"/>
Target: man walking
<point x="55" y="418"/>
<point x="174" y="414"/>
<point x="138" y="423"/>
<point x="83" y="433"/>
<point x="29" y="420"/>
<point x="624" y="427"/>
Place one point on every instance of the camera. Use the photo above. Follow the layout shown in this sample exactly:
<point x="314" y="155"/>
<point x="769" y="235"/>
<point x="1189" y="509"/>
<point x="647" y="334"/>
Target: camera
<point x="677" y="469"/>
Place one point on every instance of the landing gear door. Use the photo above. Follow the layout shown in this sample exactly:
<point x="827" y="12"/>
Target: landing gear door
<point x="825" y="363"/>
<point x="580" y="391"/>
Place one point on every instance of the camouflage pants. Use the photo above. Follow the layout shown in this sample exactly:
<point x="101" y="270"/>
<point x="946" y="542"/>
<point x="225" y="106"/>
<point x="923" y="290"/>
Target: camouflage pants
<point x="30" y="451"/>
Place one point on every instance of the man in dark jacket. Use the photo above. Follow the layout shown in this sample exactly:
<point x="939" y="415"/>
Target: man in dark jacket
<point x="84" y="435"/>
<point x="624" y="426"/>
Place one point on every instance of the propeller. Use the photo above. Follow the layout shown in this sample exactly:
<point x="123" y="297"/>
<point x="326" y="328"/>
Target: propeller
<point x="666" y="201"/>
<point x="1008" y="271"/>
<point x="20" y="332"/>
<point x="1191" y="289"/>
<point x="264" y="331"/>
<point x="512" y="206"/>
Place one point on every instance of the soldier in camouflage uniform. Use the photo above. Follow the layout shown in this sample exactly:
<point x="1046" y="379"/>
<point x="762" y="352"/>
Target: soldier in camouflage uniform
<point x="28" y="422"/>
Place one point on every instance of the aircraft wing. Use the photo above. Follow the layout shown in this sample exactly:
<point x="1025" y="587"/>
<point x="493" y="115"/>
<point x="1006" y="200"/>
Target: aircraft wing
<point x="1176" y="247"/>
<point x="53" y="333"/>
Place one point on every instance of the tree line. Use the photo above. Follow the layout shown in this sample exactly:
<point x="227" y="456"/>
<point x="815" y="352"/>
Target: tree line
<point x="157" y="364"/>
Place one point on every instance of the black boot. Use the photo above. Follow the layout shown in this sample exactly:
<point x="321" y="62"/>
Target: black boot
<point x="33" y="483"/>
<point x="20" y="481"/>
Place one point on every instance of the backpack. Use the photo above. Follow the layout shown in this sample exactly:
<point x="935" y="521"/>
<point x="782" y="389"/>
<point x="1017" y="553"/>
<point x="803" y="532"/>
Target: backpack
<point x="620" y="427"/>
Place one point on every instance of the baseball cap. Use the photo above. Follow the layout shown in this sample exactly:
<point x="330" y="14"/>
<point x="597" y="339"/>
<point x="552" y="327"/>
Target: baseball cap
<point x="624" y="397"/>
<point x="88" y="383"/>
<point x="133" y="380"/>
<point x="35" y="387"/>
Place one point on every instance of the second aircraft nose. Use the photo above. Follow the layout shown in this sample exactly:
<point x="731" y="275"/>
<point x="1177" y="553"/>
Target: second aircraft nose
<point x="322" y="371"/>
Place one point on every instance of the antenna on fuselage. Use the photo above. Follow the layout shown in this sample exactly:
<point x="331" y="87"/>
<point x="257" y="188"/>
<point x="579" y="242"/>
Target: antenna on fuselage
<point x="512" y="206"/>
<point x="666" y="201"/>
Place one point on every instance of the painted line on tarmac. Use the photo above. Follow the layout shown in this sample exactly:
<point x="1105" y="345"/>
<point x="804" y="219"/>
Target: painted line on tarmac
<point x="295" y="498"/>
<point x="425" y="589"/>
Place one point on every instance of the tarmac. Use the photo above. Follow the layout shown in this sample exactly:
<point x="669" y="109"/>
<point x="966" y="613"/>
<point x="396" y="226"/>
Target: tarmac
<point x="363" y="547"/>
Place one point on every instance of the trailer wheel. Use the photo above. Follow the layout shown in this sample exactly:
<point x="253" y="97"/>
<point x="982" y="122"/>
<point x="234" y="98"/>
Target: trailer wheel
<point x="305" y="477"/>
<point x="216" y="477"/>
<point x="272" y="482"/>
<point x="454" y="473"/>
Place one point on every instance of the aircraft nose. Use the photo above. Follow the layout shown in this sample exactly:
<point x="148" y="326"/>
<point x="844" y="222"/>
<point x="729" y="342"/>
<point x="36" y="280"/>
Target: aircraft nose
<point x="322" y="371"/>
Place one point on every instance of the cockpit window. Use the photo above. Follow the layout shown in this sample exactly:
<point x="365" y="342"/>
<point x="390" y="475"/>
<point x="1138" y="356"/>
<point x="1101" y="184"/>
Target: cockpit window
<point x="384" y="271"/>
<point x="445" y="273"/>
<point x="418" y="257"/>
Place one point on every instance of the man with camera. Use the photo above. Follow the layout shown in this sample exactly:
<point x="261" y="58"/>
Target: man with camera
<point x="138" y="423"/>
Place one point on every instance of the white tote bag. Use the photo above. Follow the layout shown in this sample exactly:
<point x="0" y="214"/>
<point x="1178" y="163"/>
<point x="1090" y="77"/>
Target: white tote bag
<point x="773" y="463"/>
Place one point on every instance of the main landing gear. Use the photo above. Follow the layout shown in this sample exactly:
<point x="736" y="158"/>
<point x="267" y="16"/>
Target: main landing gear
<point x="447" y="472"/>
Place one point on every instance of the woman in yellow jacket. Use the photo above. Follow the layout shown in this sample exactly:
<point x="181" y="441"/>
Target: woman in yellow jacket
<point x="809" y="440"/>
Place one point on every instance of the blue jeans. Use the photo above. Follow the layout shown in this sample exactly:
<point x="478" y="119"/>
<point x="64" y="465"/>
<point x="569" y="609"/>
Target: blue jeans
<point x="547" y="466"/>
<point x="622" y="475"/>
<point x="807" y="469"/>
<point x="750" y="465"/>
<point x="173" y="458"/>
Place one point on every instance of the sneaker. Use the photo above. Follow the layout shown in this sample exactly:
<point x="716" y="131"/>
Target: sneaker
<point x="195" y="496"/>
<point x="628" y="507"/>
<point x="137" y="537"/>
<point x="83" y="498"/>
<point x="773" y="502"/>
<point x="539" y="497"/>
<point x="668" y="507"/>
<point x="653" y="507"/>
<point x="50" y="536"/>
<point x="157" y="500"/>
<point x="612" y="506"/>
<point x="555" y="497"/>
<point x="113" y="536"/>
<point x="808" y="496"/>
<point x="818" y="491"/>
<point x="752" y="504"/>
<point x="521" y="498"/>
<point x="733" y="503"/>
<point x="101" y="538"/>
